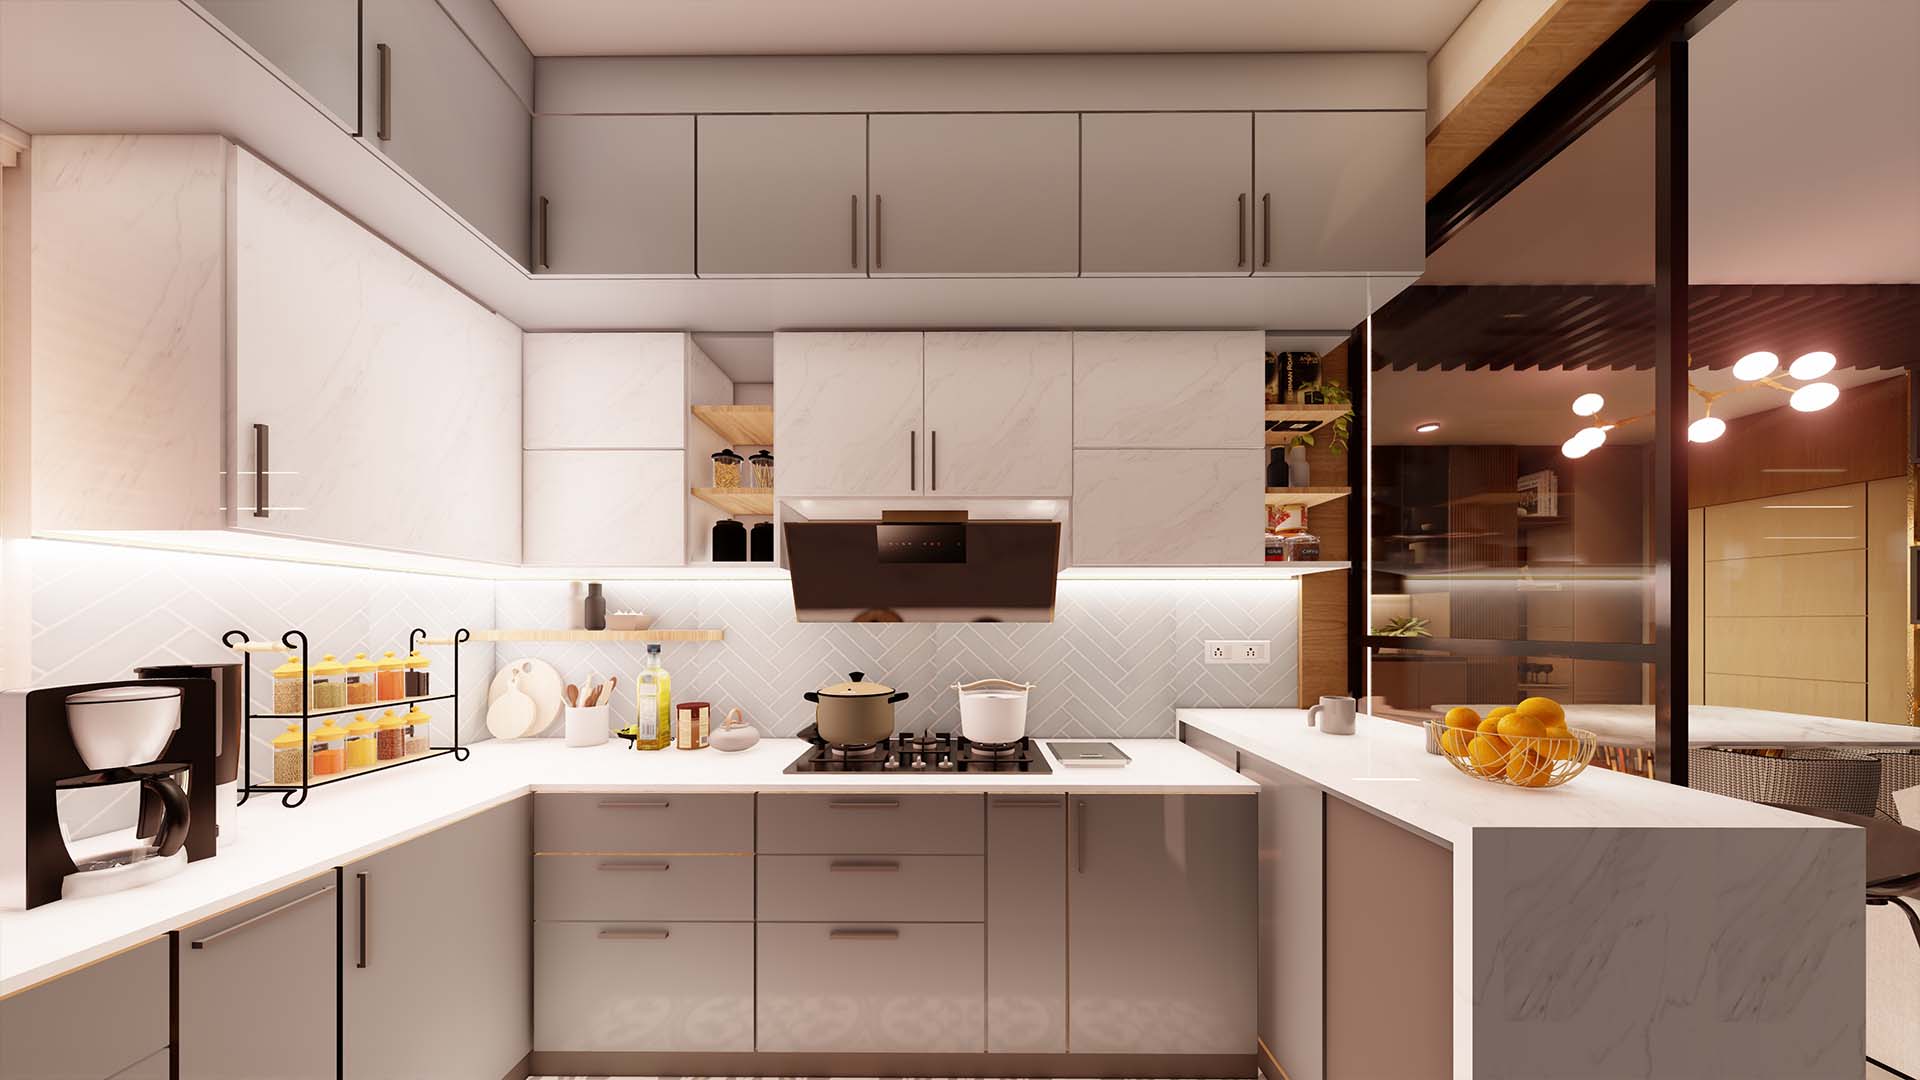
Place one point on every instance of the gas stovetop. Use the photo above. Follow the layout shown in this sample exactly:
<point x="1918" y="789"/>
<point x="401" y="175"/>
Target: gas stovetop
<point x="928" y="754"/>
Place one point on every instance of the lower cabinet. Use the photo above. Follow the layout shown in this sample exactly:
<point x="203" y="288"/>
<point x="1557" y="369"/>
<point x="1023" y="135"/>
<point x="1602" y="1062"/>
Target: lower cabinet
<point x="260" y="988"/>
<point x="615" y="986"/>
<point x="1291" y="997"/>
<point x="105" y="1020"/>
<point x="1161" y="913"/>
<point x="1027" y="924"/>
<point x="871" y="987"/>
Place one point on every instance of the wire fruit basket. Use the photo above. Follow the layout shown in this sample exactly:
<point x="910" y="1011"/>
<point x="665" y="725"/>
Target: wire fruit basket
<point x="1524" y="761"/>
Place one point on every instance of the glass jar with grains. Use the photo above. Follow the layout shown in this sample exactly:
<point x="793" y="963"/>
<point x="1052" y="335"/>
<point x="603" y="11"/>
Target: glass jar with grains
<point x="329" y="683"/>
<point x="726" y="469"/>
<point x="419" y="738"/>
<point x="288" y="755"/>
<point x="361" y="750"/>
<point x="289" y="686"/>
<point x="360" y="679"/>
<point x="392" y="678"/>
<point x="392" y="737"/>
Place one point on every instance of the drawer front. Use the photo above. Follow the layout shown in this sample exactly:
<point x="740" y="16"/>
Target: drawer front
<point x="695" y="823"/>
<point x="611" y="986"/>
<point x="871" y="987"/>
<point x="91" y="1023"/>
<point x="919" y="888"/>
<point x="872" y="824"/>
<point x="695" y="888"/>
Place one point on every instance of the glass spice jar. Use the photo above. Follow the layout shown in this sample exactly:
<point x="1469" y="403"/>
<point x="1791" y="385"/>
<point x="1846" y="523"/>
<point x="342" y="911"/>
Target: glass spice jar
<point x="416" y="674"/>
<point x="289" y="686"/>
<point x="391" y="737"/>
<point x="392" y="678"/>
<point x="329" y="683"/>
<point x="760" y="469"/>
<point x="288" y="756"/>
<point x="362" y="748"/>
<point x="726" y="469"/>
<point x="329" y="750"/>
<point x="361" y="676"/>
<point x="419" y="737"/>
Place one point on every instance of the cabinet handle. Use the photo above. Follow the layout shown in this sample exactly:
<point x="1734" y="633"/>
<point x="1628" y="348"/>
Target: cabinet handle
<point x="866" y="804"/>
<point x="262" y="917"/>
<point x="1079" y="836"/>
<point x="260" y="480"/>
<point x="1266" y="229"/>
<point x="876" y="233"/>
<point x="913" y="455"/>
<point x="853" y="233"/>
<point x="636" y="866"/>
<point x="933" y="461"/>
<point x="634" y="804"/>
<point x="1241" y="233"/>
<point x="362" y="960"/>
<point x="864" y="867"/>
<point x="1048" y="803"/>
<point x="633" y="935"/>
<point x="863" y="935"/>
<point x="544" y="232"/>
<point x="385" y="131"/>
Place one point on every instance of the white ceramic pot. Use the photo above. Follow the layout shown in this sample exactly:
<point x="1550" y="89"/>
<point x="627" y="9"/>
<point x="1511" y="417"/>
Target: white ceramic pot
<point x="588" y="726"/>
<point x="993" y="711"/>
<point x="123" y="725"/>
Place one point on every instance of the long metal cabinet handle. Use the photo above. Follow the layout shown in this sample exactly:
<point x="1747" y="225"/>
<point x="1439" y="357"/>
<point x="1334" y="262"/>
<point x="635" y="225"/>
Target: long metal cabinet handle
<point x="933" y="461"/>
<point x="877" y="262"/>
<point x="863" y="867"/>
<point x="262" y="917"/>
<point x="913" y="455"/>
<point x="1016" y="802"/>
<point x="362" y="960"/>
<point x="545" y="202"/>
<point x="633" y="935"/>
<point x="853" y="232"/>
<point x="1241" y="234"/>
<point x="1266" y="229"/>
<point x="260" y="480"/>
<point x="1079" y="836"/>
<point x="386" y="91"/>
<point x="863" y="935"/>
<point x="634" y="804"/>
<point x="866" y="804"/>
<point x="636" y="866"/>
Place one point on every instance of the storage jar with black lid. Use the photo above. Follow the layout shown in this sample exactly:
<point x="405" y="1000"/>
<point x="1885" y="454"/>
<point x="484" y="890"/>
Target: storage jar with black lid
<point x="729" y="541"/>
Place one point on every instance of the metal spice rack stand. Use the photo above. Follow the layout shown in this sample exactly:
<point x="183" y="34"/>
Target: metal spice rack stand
<point x="296" y="641"/>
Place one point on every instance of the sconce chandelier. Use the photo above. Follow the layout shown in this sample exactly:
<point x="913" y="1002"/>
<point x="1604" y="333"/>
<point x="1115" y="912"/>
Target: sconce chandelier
<point x="1754" y="370"/>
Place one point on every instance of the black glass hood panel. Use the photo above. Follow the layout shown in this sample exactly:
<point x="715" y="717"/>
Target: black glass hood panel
<point x="960" y="571"/>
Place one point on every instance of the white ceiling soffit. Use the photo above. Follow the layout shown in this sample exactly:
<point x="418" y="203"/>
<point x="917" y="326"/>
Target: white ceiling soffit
<point x="802" y="27"/>
<point x="1805" y="158"/>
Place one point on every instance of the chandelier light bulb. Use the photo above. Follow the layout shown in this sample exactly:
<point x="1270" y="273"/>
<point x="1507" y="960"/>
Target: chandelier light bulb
<point x="1755" y="365"/>
<point x="1706" y="429"/>
<point x="1575" y="448"/>
<point x="1814" y="396"/>
<point x="1812" y="366"/>
<point x="1588" y="404"/>
<point x="1594" y="437"/>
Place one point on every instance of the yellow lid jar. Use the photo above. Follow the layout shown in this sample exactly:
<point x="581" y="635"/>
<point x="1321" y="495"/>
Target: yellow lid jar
<point x="289" y="756"/>
<point x="329" y="750"/>
<point x="391" y="675"/>
<point x="329" y="683"/>
<point x="360" y="680"/>
<point x="289" y="686"/>
<point x="362" y="749"/>
<point x="392" y="737"/>
<point x="416" y="681"/>
<point x="418" y="734"/>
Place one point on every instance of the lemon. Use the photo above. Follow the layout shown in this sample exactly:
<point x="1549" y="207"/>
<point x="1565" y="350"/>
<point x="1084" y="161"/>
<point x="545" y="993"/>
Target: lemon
<point x="1528" y="769"/>
<point x="1504" y="710"/>
<point x="1461" y="716"/>
<point x="1455" y="741"/>
<point x="1490" y="729"/>
<point x="1547" y="710"/>
<point x="1487" y="754"/>
<point x="1559" y="745"/>
<point x="1521" y="725"/>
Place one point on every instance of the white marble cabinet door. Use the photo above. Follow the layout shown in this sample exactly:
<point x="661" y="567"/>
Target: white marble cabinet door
<point x="999" y="413"/>
<point x="605" y="391"/>
<point x="847" y="414"/>
<point x="1168" y="507"/>
<point x="605" y="507"/>
<point x="1169" y="389"/>
<point x="392" y="400"/>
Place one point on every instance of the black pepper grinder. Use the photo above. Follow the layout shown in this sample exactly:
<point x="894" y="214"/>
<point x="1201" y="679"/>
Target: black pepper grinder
<point x="1277" y="467"/>
<point x="596" y="608"/>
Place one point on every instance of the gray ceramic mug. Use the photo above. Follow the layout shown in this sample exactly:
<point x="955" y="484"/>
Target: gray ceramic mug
<point x="1334" y="715"/>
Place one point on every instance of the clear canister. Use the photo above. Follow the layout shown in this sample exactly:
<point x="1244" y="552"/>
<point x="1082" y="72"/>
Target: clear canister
<point x="391" y="735"/>
<point x="288" y="755"/>
<point x="419" y="737"/>
<point x="416" y="674"/>
<point x="726" y="469"/>
<point x="329" y="750"/>
<point x="362" y="748"/>
<point x="392" y="678"/>
<point x="329" y="683"/>
<point x="289" y="686"/>
<point x="760" y="469"/>
<point x="361" y="677"/>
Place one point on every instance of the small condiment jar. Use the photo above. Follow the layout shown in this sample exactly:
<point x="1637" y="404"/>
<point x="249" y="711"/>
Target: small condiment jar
<point x="418" y="735"/>
<point x="288" y="756"/>
<point x="391" y="673"/>
<point x="726" y="469"/>
<point x="691" y="723"/>
<point x="289" y="686"/>
<point x="362" y="748"/>
<point x="360" y="680"/>
<point x="416" y="674"/>
<point x="760" y="469"/>
<point x="329" y="750"/>
<point x="391" y="736"/>
<point x="329" y="683"/>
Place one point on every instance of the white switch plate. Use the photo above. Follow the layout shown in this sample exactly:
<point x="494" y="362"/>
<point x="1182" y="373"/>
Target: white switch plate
<point x="1237" y="652"/>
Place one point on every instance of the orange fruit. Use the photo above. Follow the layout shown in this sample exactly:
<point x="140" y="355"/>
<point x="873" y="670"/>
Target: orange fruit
<point x="1560" y="745"/>
<point x="1528" y="769"/>
<point x="1503" y="710"/>
<point x="1490" y="729"/>
<point x="1461" y="716"/>
<point x="1455" y="741"/>
<point x="1547" y="710"/>
<point x="1487" y="754"/>
<point x="1521" y="725"/>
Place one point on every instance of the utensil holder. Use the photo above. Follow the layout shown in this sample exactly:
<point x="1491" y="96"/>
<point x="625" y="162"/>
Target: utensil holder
<point x="588" y="726"/>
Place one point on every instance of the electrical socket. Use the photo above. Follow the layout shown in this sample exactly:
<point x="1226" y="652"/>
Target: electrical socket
<point x="1237" y="652"/>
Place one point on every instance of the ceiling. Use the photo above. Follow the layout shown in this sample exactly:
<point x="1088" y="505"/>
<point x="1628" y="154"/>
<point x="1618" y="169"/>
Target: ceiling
<point x="805" y="27"/>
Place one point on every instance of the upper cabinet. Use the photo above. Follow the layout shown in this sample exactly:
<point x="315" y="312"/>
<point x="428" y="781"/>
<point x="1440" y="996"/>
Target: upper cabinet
<point x="1166" y="193"/>
<point x="999" y="411"/>
<point x="614" y="195"/>
<point x="847" y="414"/>
<point x="1340" y="192"/>
<point x="968" y="194"/>
<point x="1169" y="390"/>
<point x="605" y="391"/>
<point x="436" y="106"/>
<point x="782" y="195"/>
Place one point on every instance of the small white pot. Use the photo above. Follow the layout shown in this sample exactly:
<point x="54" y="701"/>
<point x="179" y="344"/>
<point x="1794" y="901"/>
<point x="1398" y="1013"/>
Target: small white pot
<point x="993" y="711"/>
<point x="588" y="727"/>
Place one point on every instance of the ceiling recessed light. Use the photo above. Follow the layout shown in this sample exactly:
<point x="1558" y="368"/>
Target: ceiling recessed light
<point x="1812" y="366"/>
<point x="1755" y="365"/>
<point x="1814" y="396"/>
<point x="1427" y="427"/>
<point x="1706" y="429"/>
<point x="1588" y="404"/>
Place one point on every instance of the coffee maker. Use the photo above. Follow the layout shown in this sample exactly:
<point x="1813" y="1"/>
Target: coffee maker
<point x="151" y="732"/>
<point x="229" y="710"/>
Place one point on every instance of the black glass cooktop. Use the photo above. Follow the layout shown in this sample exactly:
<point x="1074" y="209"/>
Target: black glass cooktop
<point x="928" y="753"/>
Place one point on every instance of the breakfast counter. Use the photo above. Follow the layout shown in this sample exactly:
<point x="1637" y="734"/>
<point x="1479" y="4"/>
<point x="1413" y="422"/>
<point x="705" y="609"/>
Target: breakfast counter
<point x="1597" y="928"/>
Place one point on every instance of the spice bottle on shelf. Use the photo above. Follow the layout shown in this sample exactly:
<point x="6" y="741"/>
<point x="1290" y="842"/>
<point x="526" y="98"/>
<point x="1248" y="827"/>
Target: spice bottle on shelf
<point x="360" y="680"/>
<point x="329" y="683"/>
<point x="760" y="469"/>
<point x="287" y="755"/>
<point x="362" y="747"/>
<point x="289" y="686"/>
<point x="391" y="672"/>
<point x="726" y="469"/>
<point x="594" y="608"/>
<point x="653" y="705"/>
<point x="419" y="736"/>
<point x="416" y="680"/>
<point x="329" y="750"/>
<point x="391" y="737"/>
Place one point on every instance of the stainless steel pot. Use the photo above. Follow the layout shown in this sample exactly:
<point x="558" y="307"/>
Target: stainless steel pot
<point x="855" y="712"/>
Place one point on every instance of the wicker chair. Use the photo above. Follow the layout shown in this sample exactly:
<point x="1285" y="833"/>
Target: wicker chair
<point x="1829" y="780"/>
<point x="1899" y="770"/>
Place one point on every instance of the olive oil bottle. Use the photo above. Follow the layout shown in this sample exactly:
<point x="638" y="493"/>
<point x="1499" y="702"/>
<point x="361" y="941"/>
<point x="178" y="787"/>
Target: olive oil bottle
<point x="653" y="705"/>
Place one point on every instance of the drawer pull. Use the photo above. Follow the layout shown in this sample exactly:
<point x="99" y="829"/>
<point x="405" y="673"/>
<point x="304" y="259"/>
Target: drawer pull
<point x="262" y="917"/>
<point x="636" y="866"/>
<point x="864" y="867"/>
<point x="863" y="935"/>
<point x="634" y="804"/>
<point x="866" y="804"/>
<point x="633" y="935"/>
<point x="1051" y="804"/>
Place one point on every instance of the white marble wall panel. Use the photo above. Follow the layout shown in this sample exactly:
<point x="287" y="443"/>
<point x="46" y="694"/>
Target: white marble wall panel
<point x="1000" y="405"/>
<point x="1168" y="508"/>
<point x="605" y="391"/>
<point x="593" y="507"/>
<point x="1167" y="389"/>
<point x="847" y="409"/>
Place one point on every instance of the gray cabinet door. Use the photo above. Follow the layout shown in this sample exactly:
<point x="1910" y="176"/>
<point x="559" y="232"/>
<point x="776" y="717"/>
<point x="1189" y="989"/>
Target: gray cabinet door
<point x="437" y="957"/>
<point x="1340" y="192"/>
<point x="259" y="988"/>
<point x="1292" y="1011"/>
<point x="613" y="195"/>
<point x="643" y="987"/>
<point x="850" y="988"/>
<point x="1161" y="906"/>
<point x="1027" y="924"/>
<point x="965" y="194"/>
<point x="1166" y="193"/>
<point x="91" y="1023"/>
<point x="782" y="196"/>
<point x="315" y="43"/>
<point x="432" y="103"/>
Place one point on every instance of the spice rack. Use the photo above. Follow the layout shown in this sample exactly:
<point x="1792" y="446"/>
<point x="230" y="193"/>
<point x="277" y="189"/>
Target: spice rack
<point x="296" y="641"/>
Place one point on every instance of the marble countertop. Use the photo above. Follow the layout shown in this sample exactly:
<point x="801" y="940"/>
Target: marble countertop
<point x="272" y="846"/>
<point x="1726" y="725"/>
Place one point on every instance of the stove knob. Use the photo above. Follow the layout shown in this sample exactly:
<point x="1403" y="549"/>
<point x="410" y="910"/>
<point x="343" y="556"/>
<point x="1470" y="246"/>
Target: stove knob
<point x="920" y="763"/>
<point x="891" y="763"/>
<point x="946" y="763"/>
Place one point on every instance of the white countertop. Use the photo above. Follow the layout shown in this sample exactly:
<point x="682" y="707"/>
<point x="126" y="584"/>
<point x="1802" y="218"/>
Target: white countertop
<point x="1726" y="725"/>
<point x="273" y="846"/>
<point x="1385" y="766"/>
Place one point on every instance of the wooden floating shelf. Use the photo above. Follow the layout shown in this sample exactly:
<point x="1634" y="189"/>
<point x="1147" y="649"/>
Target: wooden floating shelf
<point x="1318" y="415"/>
<point x="751" y="502"/>
<point x="741" y="425"/>
<point x="1305" y="496"/>
<point x="650" y="636"/>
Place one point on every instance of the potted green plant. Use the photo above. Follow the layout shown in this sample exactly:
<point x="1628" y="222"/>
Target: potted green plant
<point x="1409" y="626"/>
<point x="1337" y="431"/>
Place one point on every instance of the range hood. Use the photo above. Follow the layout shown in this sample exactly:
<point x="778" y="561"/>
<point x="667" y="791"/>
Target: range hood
<point x="924" y="566"/>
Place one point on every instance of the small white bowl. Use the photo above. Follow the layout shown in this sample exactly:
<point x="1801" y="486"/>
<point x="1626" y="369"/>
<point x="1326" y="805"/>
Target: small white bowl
<point x="628" y="620"/>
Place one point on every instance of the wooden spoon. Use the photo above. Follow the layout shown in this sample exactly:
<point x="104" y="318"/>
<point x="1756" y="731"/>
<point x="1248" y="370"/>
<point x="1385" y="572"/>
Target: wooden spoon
<point x="573" y="695"/>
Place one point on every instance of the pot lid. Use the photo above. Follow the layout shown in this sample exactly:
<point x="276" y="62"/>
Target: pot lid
<point x="856" y="687"/>
<point x="114" y="694"/>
